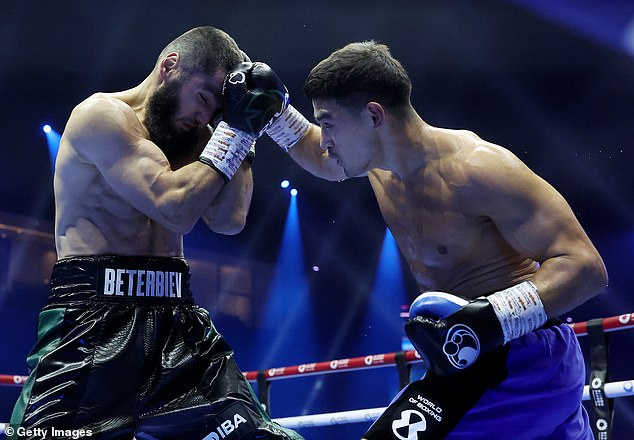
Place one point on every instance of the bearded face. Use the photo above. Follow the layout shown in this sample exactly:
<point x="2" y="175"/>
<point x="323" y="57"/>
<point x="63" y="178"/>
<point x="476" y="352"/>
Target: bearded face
<point x="163" y="105"/>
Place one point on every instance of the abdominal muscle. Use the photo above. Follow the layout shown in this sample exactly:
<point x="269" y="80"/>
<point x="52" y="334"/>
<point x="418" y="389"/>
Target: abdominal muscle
<point x="473" y="279"/>
<point x="86" y="238"/>
<point x="91" y="219"/>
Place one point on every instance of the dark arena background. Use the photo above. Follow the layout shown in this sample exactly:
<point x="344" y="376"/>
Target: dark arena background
<point x="316" y="276"/>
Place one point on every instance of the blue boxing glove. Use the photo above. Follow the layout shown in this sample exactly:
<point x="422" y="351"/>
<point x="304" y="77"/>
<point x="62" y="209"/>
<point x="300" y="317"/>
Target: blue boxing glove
<point x="450" y="332"/>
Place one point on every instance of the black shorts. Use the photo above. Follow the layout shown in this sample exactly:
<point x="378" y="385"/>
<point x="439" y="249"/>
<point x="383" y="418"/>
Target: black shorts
<point x="122" y="351"/>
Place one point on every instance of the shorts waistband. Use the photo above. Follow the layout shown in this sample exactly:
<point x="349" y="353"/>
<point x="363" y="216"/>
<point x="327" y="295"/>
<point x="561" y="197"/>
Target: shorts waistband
<point x="120" y="278"/>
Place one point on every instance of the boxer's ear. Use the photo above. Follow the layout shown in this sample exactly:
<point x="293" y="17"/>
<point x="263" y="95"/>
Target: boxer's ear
<point x="168" y="65"/>
<point x="376" y="113"/>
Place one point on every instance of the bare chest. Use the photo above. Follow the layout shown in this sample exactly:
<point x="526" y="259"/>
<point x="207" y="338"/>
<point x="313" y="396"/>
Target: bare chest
<point x="447" y="246"/>
<point x="429" y="225"/>
<point x="444" y="244"/>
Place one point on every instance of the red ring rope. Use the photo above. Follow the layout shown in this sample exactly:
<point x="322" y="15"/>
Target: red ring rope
<point x="610" y="324"/>
<point x="613" y="323"/>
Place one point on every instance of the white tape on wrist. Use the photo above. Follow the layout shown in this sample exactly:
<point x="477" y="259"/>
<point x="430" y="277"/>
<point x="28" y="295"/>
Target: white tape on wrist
<point x="519" y="309"/>
<point x="288" y="128"/>
<point x="227" y="149"/>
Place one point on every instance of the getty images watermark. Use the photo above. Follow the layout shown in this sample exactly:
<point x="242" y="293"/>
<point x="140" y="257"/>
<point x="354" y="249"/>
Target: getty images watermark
<point x="50" y="432"/>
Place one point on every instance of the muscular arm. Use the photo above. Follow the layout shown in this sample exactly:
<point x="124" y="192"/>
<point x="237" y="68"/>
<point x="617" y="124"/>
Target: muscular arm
<point x="106" y="133"/>
<point x="308" y="154"/>
<point x="228" y="211"/>
<point x="538" y="222"/>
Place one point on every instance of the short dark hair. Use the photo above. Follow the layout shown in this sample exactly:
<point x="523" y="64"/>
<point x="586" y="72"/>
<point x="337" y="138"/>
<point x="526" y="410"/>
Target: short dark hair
<point x="359" y="73"/>
<point x="205" y="49"/>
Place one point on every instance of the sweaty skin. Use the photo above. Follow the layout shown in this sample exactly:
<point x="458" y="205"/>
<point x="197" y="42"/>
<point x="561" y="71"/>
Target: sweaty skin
<point x="469" y="217"/>
<point x="115" y="190"/>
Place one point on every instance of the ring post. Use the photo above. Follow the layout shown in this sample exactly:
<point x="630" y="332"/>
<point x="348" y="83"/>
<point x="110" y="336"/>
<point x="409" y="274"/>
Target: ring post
<point x="602" y="407"/>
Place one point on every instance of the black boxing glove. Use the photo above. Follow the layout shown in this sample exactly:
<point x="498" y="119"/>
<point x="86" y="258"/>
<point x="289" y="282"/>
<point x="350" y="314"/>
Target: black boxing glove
<point x="254" y="96"/>
<point x="256" y="87"/>
<point x="245" y="57"/>
<point x="450" y="332"/>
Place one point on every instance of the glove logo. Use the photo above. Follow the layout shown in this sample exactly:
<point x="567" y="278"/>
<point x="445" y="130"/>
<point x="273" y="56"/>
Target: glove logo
<point x="462" y="346"/>
<point x="409" y="425"/>
<point x="237" y="78"/>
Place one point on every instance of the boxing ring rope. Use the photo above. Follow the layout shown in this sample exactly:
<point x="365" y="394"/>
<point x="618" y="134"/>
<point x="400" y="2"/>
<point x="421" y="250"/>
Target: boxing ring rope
<point x="613" y="323"/>
<point x="612" y="390"/>
<point x="398" y="359"/>
<point x="263" y="378"/>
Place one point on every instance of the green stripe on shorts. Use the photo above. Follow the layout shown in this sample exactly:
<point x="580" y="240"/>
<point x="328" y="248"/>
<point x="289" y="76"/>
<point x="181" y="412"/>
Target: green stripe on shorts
<point x="49" y="334"/>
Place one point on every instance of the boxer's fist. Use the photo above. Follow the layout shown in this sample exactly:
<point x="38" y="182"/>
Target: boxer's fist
<point x="436" y="305"/>
<point x="226" y="150"/>
<point x="254" y="96"/>
<point x="450" y="332"/>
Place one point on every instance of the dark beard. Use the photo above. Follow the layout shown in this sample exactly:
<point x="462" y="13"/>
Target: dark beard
<point x="180" y="147"/>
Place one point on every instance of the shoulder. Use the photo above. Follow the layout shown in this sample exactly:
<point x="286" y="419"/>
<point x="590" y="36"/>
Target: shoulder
<point x="101" y="116"/>
<point x="485" y="174"/>
<point x="479" y="162"/>
<point x="102" y="130"/>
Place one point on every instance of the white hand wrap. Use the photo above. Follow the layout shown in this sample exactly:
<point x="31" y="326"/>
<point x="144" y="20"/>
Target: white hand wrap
<point x="226" y="149"/>
<point x="519" y="309"/>
<point x="288" y="128"/>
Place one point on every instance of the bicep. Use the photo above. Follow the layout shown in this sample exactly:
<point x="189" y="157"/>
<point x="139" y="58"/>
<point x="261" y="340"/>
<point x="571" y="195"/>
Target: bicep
<point x="131" y="165"/>
<point x="536" y="221"/>
<point x="137" y="170"/>
<point x="532" y="216"/>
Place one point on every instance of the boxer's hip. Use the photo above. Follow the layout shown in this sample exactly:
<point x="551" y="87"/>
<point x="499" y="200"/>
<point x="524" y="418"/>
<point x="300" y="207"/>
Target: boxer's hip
<point x="125" y="279"/>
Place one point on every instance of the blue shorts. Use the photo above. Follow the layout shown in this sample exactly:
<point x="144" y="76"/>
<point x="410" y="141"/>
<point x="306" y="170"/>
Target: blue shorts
<point x="530" y="389"/>
<point x="541" y="396"/>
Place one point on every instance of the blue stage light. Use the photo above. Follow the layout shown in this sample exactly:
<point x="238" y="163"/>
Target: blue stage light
<point x="52" y="139"/>
<point x="285" y="183"/>
<point x="288" y="304"/>
<point x="387" y="297"/>
<point x="293" y="192"/>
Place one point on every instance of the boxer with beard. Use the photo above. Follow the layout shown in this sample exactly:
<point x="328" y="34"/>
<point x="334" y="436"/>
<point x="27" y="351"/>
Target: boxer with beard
<point x="179" y="146"/>
<point x="122" y="349"/>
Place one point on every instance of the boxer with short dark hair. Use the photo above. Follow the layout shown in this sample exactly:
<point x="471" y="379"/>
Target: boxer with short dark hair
<point x="497" y="249"/>
<point x="122" y="349"/>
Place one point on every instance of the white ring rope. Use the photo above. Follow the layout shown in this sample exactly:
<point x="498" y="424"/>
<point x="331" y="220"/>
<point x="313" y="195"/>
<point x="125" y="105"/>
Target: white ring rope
<point x="328" y="419"/>
<point x="612" y="390"/>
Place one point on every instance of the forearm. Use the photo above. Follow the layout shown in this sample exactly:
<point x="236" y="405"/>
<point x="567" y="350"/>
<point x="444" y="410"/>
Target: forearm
<point x="302" y="140"/>
<point x="567" y="281"/>
<point x="228" y="211"/>
<point x="177" y="199"/>
<point x="308" y="154"/>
